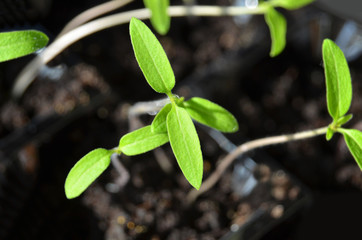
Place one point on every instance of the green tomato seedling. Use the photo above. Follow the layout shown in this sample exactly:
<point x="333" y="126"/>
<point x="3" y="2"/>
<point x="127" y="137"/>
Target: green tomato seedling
<point x="172" y="124"/>
<point x="339" y="98"/>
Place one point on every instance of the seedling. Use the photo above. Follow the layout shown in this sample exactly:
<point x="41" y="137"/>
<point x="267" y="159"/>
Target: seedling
<point x="81" y="26"/>
<point x="172" y="124"/>
<point x="276" y="22"/>
<point x="339" y="98"/>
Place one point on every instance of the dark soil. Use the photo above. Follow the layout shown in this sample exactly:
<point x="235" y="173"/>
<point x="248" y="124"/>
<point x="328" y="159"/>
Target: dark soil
<point x="56" y="122"/>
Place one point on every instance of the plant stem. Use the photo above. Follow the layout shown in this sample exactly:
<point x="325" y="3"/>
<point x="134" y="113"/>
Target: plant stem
<point x="92" y="13"/>
<point x="124" y="175"/>
<point x="213" y="11"/>
<point x="28" y="74"/>
<point x="149" y="107"/>
<point x="243" y="148"/>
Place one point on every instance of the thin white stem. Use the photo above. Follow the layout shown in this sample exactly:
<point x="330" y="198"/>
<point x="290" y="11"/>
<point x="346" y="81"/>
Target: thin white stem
<point x="28" y="74"/>
<point x="123" y="173"/>
<point x="93" y="13"/>
<point x="213" y="11"/>
<point x="149" y="107"/>
<point x="243" y="148"/>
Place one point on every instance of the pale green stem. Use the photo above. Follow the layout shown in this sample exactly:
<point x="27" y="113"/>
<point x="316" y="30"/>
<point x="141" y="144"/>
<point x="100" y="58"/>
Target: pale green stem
<point x="28" y="74"/>
<point x="93" y="13"/>
<point x="243" y="148"/>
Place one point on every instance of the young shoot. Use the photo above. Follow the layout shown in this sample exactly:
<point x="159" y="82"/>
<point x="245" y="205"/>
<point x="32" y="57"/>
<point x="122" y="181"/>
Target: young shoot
<point x="172" y="124"/>
<point x="339" y="97"/>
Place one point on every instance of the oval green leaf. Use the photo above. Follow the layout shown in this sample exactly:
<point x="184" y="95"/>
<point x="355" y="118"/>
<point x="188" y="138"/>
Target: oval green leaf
<point x="20" y="43"/>
<point x="159" y="122"/>
<point x="85" y="171"/>
<point x="185" y="145"/>
<point x="151" y="57"/>
<point x="338" y="80"/>
<point x="353" y="140"/>
<point x="278" y="30"/>
<point x="141" y="140"/>
<point x="344" y="119"/>
<point x="211" y="114"/>
<point x="159" y="17"/>
<point x="291" y="4"/>
<point x="329" y="134"/>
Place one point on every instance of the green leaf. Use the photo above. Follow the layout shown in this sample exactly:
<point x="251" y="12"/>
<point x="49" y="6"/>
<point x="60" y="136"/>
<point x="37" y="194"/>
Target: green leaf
<point x="291" y="4"/>
<point x="344" y="119"/>
<point x="278" y="30"/>
<point x="85" y="171"/>
<point x="353" y="140"/>
<point x="141" y="140"/>
<point x="159" y="122"/>
<point x="159" y="17"/>
<point x="20" y="43"/>
<point x="151" y="57"/>
<point x="185" y="145"/>
<point x="338" y="80"/>
<point x="211" y="114"/>
<point x="329" y="134"/>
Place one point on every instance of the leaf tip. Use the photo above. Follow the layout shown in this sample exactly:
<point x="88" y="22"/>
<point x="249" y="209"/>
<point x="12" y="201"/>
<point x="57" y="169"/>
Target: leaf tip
<point x="68" y="189"/>
<point x="329" y="134"/>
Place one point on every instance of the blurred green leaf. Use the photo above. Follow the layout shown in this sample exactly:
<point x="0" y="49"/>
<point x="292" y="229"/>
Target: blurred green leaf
<point x="20" y="43"/>
<point x="278" y="30"/>
<point x="151" y="57"/>
<point x="291" y="4"/>
<point x="85" y="171"/>
<point x="211" y="114"/>
<point x="353" y="140"/>
<point x="141" y="140"/>
<point x="159" y="122"/>
<point x="344" y="119"/>
<point x="159" y="17"/>
<point x="185" y="145"/>
<point x="338" y="80"/>
<point x="329" y="134"/>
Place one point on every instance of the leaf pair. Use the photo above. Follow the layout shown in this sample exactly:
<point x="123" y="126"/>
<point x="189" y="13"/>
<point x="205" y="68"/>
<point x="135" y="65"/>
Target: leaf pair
<point x="20" y="43"/>
<point x="171" y="124"/>
<point x="182" y="133"/>
<point x="174" y="119"/>
<point x="93" y="164"/>
<point x="339" y="97"/>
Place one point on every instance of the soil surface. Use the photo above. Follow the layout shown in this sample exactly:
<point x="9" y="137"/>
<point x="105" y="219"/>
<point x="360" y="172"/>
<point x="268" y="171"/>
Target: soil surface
<point x="60" y="118"/>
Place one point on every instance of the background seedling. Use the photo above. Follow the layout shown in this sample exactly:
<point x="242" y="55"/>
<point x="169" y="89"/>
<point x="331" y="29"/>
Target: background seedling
<point x="81" y="26"/>
<point x="339" y="97"/>
<point x="159" y="17"/>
